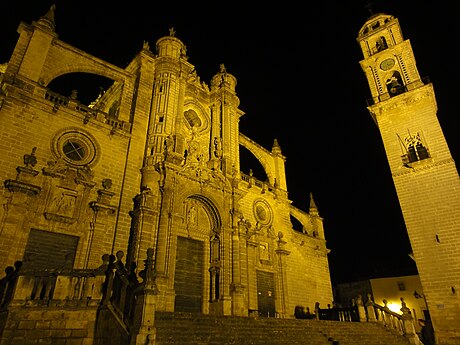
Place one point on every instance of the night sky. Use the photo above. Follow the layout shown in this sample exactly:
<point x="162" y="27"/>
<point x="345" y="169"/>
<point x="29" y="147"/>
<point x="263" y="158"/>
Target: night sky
<point x="300" y="82"/>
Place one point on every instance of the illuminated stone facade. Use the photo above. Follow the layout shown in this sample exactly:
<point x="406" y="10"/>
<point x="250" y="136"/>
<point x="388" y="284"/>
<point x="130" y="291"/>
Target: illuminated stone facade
<point x="154" y="162"/>
<point x="424" y="173"/>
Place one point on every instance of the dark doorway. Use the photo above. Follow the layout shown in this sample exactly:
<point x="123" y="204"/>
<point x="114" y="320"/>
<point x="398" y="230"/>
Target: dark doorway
<point x="188" y="278"/>
<point x="266" y="294"/>
<point x="47" y="250"/>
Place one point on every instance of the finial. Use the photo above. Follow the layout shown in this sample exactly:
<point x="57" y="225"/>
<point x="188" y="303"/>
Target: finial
<point x="106" y="183"/>
<point x="313" y="209"/>
<point x="276" y="148"/>
<point x="47" y="21"/>
<point x="30" y="159"/>
<point x="172" y="32"/>
<point x="146" y="46"/>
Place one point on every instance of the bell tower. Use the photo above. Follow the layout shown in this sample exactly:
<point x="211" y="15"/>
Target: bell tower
<point x="403" y="106"/>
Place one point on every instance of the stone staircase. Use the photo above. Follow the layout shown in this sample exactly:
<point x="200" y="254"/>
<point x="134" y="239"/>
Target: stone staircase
<point x="199" y="329"/>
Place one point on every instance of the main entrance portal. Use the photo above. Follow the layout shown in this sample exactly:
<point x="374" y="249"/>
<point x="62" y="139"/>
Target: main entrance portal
<point x="188" y="278"/>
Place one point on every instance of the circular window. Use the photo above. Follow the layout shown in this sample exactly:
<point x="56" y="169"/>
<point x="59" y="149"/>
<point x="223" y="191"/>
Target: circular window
<point x="262" y="212"/>
<point x="74" y="150"/>
<point x="75" y="147"/>
<point x="192" y="118"/>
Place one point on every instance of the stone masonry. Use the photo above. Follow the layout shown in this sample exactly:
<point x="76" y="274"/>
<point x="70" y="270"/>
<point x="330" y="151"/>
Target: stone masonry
<point x="153" y="162"/>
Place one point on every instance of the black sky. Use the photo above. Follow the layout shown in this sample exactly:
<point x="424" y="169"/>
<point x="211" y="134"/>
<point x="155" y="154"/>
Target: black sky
<point x="299" y="81"/>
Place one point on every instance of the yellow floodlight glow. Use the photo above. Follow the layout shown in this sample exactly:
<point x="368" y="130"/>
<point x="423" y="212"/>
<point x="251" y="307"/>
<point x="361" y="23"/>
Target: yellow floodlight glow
<point x="394" y="307"/>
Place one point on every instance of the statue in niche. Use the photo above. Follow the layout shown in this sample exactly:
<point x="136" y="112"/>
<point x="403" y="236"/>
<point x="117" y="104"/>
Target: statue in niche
<point x="193" y="154"/>
<point x="263" y="251"/>
<point x="168" y="146"/>
<point x="215" y="248"/>
<point x="217" y="147"/>
<point x="191" y="216"/>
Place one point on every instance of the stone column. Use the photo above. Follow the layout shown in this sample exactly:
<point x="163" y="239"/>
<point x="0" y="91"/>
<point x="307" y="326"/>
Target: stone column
<point x="22" y="199"/>
<point x="237" y="288"/>
<point x="103" y="219"/>
<point x="252" y="278"/>
<point x="282" y="298"/>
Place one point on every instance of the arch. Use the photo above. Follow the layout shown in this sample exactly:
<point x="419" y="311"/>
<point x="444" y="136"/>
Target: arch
<point x="214" y="252"/>
<point x="250" y="165"/>
<point x="84" y="87"/>
<point x="260" y="153"/>
<point x="72" y="60"/>
<point x="211" y="210"/>
<point x="67" y="69"/>
<point x="395" y="84"/>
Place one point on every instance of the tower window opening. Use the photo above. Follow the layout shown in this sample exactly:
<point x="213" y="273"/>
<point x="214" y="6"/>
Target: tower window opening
<point x="415" y="150"/>
<point x="375" y="25"/>
<point x="381" y="44"/>
<point x="395" y="85"/>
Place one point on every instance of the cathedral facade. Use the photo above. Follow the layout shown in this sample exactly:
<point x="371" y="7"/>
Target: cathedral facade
<point x="151" y="166"/>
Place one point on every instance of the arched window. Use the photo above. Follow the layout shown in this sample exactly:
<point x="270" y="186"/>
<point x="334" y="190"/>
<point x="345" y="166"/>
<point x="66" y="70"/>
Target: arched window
<point x="395" y="85"/>
<point x="415" y="150"/>
<point x="381" y="44"/>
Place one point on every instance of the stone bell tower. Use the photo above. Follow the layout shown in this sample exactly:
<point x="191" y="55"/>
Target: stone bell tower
<point x="403" y="106"/>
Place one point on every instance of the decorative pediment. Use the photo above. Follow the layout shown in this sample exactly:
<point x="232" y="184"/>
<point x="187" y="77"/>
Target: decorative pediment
<point x="71" y="176"/>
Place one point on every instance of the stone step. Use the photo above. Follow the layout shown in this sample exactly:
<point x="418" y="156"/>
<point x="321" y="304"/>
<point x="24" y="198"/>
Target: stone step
<point x="200" y="329"/>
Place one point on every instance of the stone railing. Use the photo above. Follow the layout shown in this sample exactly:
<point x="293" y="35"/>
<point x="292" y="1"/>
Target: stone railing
<point x="77" y="287"/>
<point x="402" y="324"/>
<point x="88" y="112"/>
<point x="350" y="314"/>
<point x="252" y="181"/>
<point x="110" y="288"/>
<point x="121" y="288"/>
<point x="111" y="283"/>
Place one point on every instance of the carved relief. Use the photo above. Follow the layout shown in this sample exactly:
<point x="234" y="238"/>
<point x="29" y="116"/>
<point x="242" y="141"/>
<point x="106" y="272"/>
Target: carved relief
<point x="264" y="253"/>
<point x="62" y="205"/>
<point x="64" y="197"/>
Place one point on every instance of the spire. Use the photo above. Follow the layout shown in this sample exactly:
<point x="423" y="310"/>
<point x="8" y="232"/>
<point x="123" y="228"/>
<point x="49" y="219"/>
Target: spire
<point x="276" y="147"/>
<point x="313" y="209"/>
<point x="47" y="21"/>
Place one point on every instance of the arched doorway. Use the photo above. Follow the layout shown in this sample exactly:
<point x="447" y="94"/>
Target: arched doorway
<point x="198" y="254"/>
